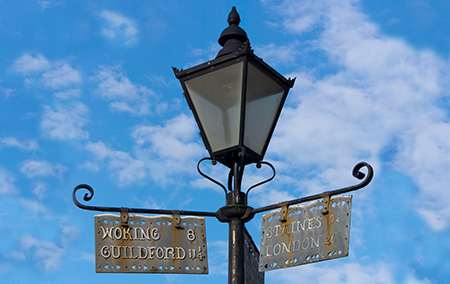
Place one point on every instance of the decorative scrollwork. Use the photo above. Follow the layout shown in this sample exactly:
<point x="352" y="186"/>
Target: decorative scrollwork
<point x="359" y="175"/>
<point x="208" y="177"/>
<point x="88" y="196"/>
<point x="258" y="165"/>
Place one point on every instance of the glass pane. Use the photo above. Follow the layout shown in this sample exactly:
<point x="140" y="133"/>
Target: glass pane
<point x="217" y="99"/>
<point x="264" y="97"/>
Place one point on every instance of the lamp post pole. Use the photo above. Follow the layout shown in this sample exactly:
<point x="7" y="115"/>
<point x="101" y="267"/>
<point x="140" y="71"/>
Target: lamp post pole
<point x="236" y="257"/>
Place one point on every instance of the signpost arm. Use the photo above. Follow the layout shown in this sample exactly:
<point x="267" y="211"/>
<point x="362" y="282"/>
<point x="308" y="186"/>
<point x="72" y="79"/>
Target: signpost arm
<point x="356" y="173"/>
<point x="88" y="196"/>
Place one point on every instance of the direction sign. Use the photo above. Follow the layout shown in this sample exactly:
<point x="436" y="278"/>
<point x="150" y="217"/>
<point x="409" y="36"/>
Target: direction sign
<point x="251" y="256"/>
<point x="159" y="244"/>
<point x="305" y="234"/>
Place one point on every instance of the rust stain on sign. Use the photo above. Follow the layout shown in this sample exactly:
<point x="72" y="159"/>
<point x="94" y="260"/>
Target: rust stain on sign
<point x="305" y="234"/>
<point x="144" y="244"/>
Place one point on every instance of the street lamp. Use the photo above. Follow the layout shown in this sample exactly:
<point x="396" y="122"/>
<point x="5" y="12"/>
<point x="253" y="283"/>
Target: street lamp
<point x="236" y="100"/>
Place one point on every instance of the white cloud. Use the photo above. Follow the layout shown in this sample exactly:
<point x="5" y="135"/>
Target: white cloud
<point x="126" y="169"/>
<point x="7" y="92"/>
<point x="61" y="75"/>
<point x="69" y="234"/>
<point x="281" y="55"/>
<point x="119" y="27"/>
<point x="114" y="85"/>
<point x="124" y="95"/>
<point x="47" y="254"/>
<point x="7" y="183"/>
<point x="27" y="64"/>
<point x="173" y="141"/>
<point x="25" y="145"/>
<point x="68" y="94"/>
<point x="35" y="168"/>
<point x="35" y="207"/>
<point x="348" y="273"/>
<point x="54" y="75"/>
<point x="66" y="122"/>
<point x="47" y="4"/>
<point x="383" y="96"/>
<point x="39" y="190"/>
<point x="171" y="144"/>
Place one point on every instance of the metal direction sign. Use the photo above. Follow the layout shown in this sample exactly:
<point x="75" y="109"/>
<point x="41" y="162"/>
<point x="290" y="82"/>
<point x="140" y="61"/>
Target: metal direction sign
<point x="251" y="256"/>
<point x="159" y="244"/>
<point x="305" y="234"/>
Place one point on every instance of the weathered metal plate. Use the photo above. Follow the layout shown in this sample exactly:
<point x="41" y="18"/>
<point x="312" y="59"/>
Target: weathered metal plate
<point x="307" y="235"/>
<point x="150" y="245"/>
<point x="251" y="256"/>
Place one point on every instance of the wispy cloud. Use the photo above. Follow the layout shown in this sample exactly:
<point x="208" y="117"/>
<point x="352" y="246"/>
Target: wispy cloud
<point x="34" y="207"/>
<point x="7" y="183"/>
<point x="173" y="144"/>
<point x="173" y="141"/>
<point x="36" y="168"/>
<point x="383" y="92"/>
<point x="54" y="75"/>
<point x="282" y="55"/>
<point x="27" y="64"/>
<point x="66" y="122"/>
<point x="126" y="169"/>
<point x="61" y="75"/>
<point x="120" y="28"/>
<point x="125" y="96"/>
<point x="48" y="255"/>
<point x="48" y="4"/>
<point x="349" y="273"/>
<point x="22" y="145"/>
<point x="68" y="94"/>
<point x="39" y="189"/>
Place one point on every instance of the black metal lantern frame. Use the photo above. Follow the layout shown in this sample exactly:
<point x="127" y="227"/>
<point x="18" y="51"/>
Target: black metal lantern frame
<point x="253" y="76"/>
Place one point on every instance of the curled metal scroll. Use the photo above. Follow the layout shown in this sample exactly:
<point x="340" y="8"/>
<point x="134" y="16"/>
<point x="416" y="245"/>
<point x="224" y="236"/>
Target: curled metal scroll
<point x="208" y="177"/>
<point x="88" y="196"/>
<point x="359" y="175"/>
<point x="258" y="165"/>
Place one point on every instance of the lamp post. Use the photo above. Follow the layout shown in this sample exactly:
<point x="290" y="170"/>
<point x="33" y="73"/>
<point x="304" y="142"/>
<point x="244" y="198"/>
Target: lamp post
<point x="236" y="100"/>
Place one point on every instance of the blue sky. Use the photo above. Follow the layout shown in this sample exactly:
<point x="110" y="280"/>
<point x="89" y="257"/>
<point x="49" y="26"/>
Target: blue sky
<point x="88" y="95"/>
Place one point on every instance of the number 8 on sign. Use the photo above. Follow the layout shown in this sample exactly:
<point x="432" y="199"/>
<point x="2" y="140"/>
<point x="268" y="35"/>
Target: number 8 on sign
<point x="190" y="235"/>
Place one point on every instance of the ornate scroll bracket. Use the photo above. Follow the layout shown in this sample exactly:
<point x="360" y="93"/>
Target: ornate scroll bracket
<point x="258" y="165"/>
<point x="367" y="178"/>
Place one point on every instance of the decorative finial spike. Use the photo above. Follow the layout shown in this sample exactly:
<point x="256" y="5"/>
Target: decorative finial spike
<point x="233" y="17"/>
<point x="233" y="37"/>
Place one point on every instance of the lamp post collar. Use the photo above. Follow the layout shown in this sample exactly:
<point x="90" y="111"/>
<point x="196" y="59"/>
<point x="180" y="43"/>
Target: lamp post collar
<point x="233" y="37"/>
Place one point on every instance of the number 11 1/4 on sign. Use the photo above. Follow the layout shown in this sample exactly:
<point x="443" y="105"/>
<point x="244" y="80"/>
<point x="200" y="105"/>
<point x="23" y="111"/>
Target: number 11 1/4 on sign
<point x="150" y="245"/>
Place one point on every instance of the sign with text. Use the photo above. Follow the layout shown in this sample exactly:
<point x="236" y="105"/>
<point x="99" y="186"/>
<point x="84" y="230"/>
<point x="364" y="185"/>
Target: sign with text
<point x="150" y="245"/>
<point x="305" y="234"/>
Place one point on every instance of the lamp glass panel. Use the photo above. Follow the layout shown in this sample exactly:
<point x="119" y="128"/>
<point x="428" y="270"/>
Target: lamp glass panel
<point x="216" y="97"/>
<point x="264" y="98"/>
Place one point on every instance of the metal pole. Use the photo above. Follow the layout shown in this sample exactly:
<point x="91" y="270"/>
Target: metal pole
<point x="236" y="273"/>
<point x="236" y="241"/>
